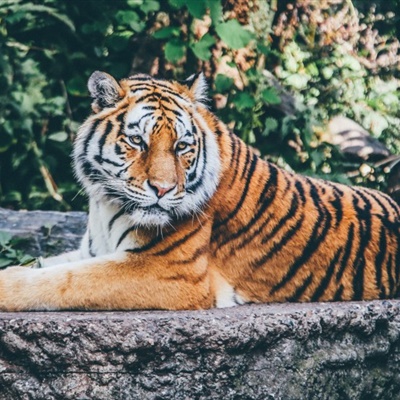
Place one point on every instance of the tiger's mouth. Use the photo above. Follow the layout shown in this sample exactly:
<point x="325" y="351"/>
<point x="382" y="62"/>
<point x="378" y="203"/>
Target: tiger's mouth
<point x="155" y="208"/>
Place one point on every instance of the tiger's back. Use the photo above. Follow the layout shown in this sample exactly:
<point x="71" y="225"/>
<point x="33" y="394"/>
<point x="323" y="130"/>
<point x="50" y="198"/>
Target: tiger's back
<point x="287" y="237"/>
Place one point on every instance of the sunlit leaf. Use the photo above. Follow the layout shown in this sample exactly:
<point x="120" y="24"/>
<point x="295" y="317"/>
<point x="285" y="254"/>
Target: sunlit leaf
<point x="174" y="50"/>
<point x="223" y="83"/>
<point x="233" y="34"/>
<point x="167" y="32"/>
<point x="59" y="136"/>
<point x="271" y="96"/>
<point x="202" y="48"/>
<point x="197" y="8"/>
<point x="243" y="101"/>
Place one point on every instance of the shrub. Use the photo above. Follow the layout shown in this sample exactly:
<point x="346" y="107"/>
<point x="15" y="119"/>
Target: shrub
<point x="278" y="72"/>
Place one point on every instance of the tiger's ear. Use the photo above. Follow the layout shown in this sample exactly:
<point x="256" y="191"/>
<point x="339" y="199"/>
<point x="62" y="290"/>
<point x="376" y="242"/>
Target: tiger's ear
<point x="104" y="90"/>
<point x="198" y="87"/>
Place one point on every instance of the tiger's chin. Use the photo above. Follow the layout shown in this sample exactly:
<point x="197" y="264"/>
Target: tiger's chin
<point x="150" y="216"/>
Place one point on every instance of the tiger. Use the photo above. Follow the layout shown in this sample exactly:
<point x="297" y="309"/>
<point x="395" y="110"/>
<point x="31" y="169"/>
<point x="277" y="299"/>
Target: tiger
<point x="183" y="215"/>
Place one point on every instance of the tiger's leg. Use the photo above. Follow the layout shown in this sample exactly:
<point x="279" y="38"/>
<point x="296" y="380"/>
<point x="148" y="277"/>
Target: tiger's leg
<point x="57" y="260"/>
<point x="120" y="281"/>
<point x="76" y="255"/>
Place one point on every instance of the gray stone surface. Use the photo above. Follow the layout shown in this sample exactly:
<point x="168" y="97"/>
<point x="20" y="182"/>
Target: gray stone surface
<point x="277" y="351"/>
<point x="296" y="351"/>
<point x="45" y="232"/>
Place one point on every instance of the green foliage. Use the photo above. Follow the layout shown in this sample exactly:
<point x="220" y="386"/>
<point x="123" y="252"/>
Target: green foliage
<point x="49" y="48"/>
<point x="10" y="254"/>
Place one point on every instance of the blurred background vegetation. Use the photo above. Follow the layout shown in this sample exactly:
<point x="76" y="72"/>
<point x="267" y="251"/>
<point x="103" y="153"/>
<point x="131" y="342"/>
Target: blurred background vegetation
<point x="279" y="71"/>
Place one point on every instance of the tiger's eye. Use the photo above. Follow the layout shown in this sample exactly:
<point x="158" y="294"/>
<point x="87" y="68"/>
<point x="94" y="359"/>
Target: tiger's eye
<point x="136" y="139"/>
<point x="181" y="146"/>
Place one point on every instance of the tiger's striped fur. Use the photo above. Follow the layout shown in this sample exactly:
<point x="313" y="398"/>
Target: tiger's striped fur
<point x="183" y="215"/>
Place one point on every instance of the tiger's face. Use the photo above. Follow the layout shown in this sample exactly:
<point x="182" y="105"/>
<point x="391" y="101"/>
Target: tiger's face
<point x="148" y="148"/>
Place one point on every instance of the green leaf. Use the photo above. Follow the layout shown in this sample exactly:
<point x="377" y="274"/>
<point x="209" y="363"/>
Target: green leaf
<point x="174" y="50"/>
<point x="233" y="34"/>
<point x="150" y="6"/>
<point x="59" y="136"/>
<point x="262" y="48"/>
<point x="202" y="48"/>
<point x="6" y="140"/>
<point x="119" y="41"/>
<point x="215" y="7"/>
<point x="126" y="16"/>
<point x="76" y="86"/>
<point x="177" y="3"/>
<point x="317" y="157"/>
<point x="5" y="262"/>
<point x="134" y="3"/>
<point x="167" y="32"/>
<point x="39" y="8"/>
<point x="271" y="96"/>
<point x="244" y="101"/>
<point x="5" y="238"/>
<point x="13" y="197"/>
<point x="25" y="259"/>
<point x="197" y="8"/>
<point x="223" y="83"/>
<point x="271" y="124"/>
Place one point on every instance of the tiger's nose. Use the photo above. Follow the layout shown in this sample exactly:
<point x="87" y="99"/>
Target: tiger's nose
<point x="161" y="189"/>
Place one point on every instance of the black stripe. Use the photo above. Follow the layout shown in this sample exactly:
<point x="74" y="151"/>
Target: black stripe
<point x="101" y="160"/>
<point x="174" y="111"/>
<point x="140" y="78"/>
<point x="337" y="205"/>
<point x="301" y="289"/>
<point x="125" y="234"/>
<point x="114" y="218"/>
<point x="194" y="257"/>
<point x="260" y="229"/>
<point x="169" y="91"/>
<point x="379" y="259"/>
<point x="389" y="268"/>
<point x="89" y="136"/>
<point x="397" y="263"/>
<point x="270" y="188"/>
<point x="299" y="186"/>
<point x="319" y="232"/>
<point x="378" y="200"/>
<point x="338" y="294"/>
<point x="323" y="285"/>
<point x="246" y="161"/>
<point x="233" y="147"/>
<point x="202" y="147"/>
<point x="250" y="172"/>
<point x="235" y="166"/>
<point x="346" y="254"/>
<point x="279" y="245"/>
<point x="154" y="242"/>
<point x="118" y="175"/>
<point x="294" y="205"/>
<point x="179" y="242"/>
<point x="364" y="217"/>
<point x="141" y="87"/>
<point x="93" y="174"/>
<point x="148" y="97"/>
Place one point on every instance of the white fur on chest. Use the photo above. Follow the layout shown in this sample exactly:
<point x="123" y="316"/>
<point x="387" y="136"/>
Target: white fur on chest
<point x="106" y="229"/>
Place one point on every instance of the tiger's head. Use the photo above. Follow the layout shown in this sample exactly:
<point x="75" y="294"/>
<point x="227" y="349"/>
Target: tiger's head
<point x="149" y="147"/>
